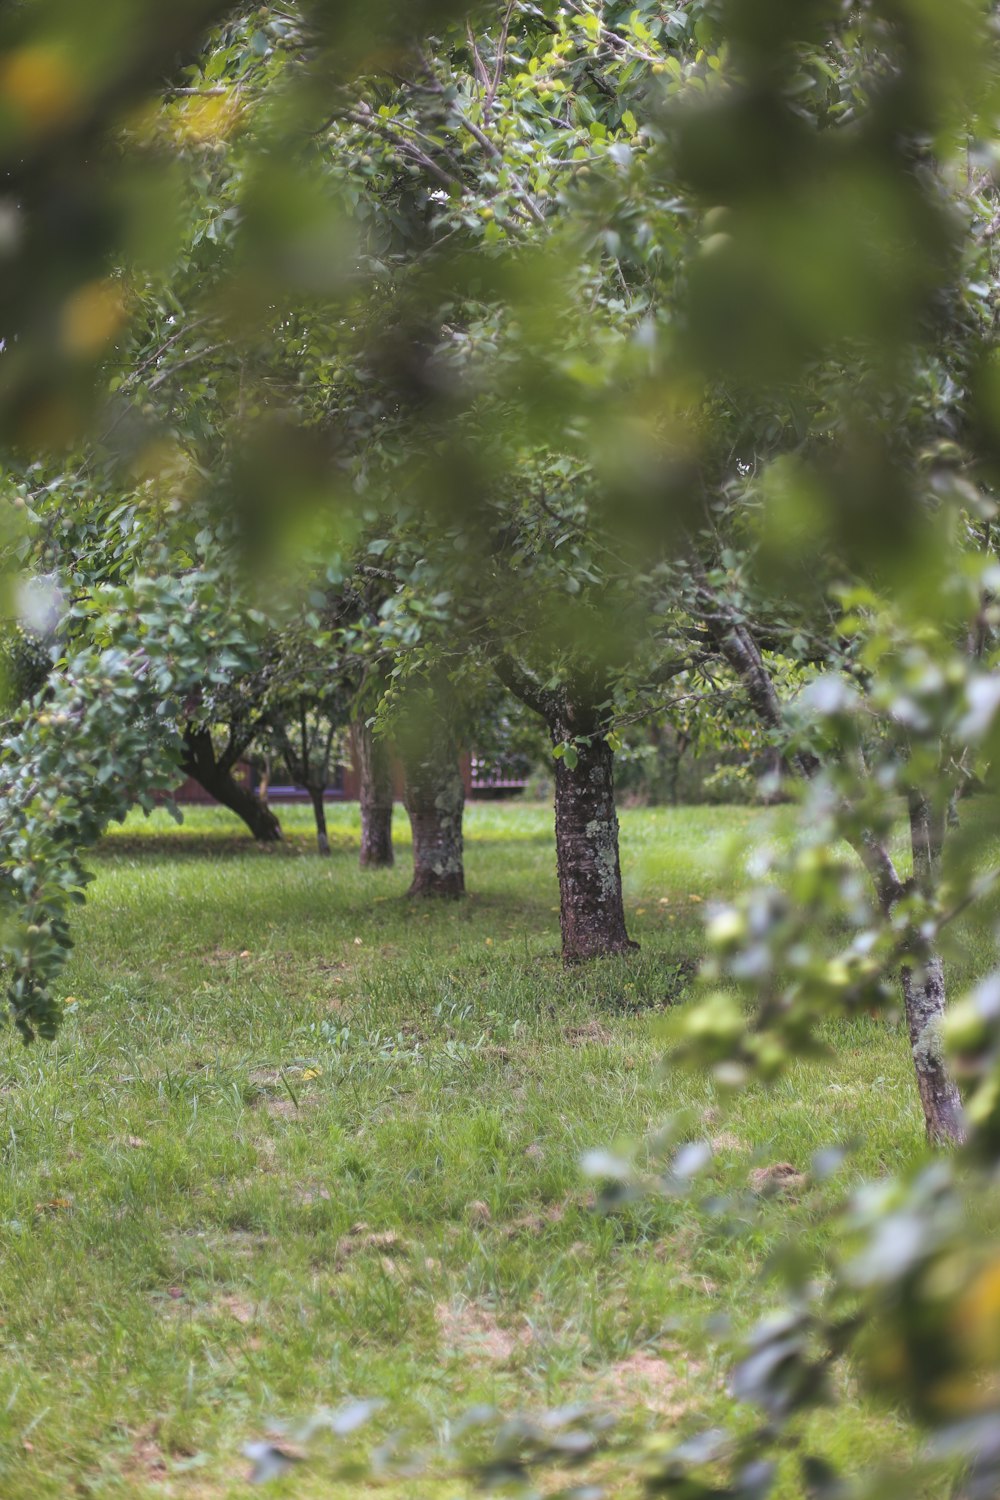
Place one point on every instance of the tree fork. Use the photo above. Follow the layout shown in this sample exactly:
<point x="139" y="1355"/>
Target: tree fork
<point x="216" y="777"/>
<point x="591" y="907"/>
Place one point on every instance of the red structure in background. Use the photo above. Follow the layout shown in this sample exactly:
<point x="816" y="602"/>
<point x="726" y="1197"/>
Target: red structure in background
<point x="484" y="781"/>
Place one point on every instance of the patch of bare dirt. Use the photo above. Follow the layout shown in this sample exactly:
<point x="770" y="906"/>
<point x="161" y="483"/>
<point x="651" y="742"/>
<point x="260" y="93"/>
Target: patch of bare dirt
<point x="726" y="1141"/>
<point x="778" y="1178"/>
<point x="473" y="1330"/>
<point x="240" y="1308"/>
<point x="589" y="1034"/>
<point x="361" y="1240"/>
<point x="662" y="1384"/>
<point x="533" y="1223"/>
<point x="496" y="1053"/>
<point x="241" y="1242"/>
<point x="308" y="1195"/>
<point x="282" y="1107"/>
<point x="680" y="1274"/>
<point x="271" y="1092"/>
<point x="145" y="1462"/>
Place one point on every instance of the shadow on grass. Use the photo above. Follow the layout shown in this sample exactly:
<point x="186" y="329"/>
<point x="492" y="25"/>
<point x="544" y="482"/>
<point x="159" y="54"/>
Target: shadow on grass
<point x="648" y="979"/>
<point x="191" y="846"/>
<point x="183" y="845"/>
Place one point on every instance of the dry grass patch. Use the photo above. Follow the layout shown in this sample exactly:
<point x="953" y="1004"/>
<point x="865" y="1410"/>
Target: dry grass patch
<point x="726" y="1141"/>
<point x="145" y="1462"/>
<point x="778" y="1178"/>
<point x="588" y="1034"/>
<point x="361" y="1240"/>
<point x="472" y="1330"/>
<point x="664" y="1385"/>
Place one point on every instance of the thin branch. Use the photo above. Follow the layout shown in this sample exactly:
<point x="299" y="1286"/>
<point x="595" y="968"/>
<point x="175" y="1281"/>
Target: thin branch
<point x="494" y="83"/>
<point x="192" y="359"/>
<point x="497" y="154"/>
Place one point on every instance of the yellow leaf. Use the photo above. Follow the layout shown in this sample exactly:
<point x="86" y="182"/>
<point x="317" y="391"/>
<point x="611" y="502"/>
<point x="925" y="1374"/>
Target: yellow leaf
<point x="91" y="317"/>
<point x="40" y="85"/>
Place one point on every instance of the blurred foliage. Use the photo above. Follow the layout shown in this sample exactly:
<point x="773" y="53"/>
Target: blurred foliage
<point x="642" y="355"/>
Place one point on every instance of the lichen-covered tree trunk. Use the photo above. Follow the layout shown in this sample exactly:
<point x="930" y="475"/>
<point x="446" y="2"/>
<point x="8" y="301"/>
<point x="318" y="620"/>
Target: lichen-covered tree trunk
<point x="592" y="913"/>
<point x="319" y="813"/>
<point x="924" y="997"/>
<point x="200" y="763"/>
<point x="376" y="791"/>
<point x="925" y="993"/>
<point x="435" y="802"/>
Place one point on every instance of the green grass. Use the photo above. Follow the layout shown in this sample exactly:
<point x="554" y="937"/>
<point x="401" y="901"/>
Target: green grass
<point x="302" y="1140"/>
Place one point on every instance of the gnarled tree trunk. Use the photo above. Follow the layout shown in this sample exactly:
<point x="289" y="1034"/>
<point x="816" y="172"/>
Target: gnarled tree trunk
<point x="200" y="763"/>
<point x="591" y="909"/>
<point x="376" y="790"/>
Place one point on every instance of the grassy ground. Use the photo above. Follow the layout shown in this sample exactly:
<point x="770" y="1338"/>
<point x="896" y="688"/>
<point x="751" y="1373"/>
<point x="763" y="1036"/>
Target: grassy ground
<point x="301" y="1140"/>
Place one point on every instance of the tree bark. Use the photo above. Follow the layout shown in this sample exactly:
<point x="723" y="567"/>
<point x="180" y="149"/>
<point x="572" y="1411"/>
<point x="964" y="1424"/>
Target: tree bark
<point x="591" y="909"/>
<point x="319" y="812"/>
<point x="375" y="765"/>
<point x="924" y="998"/>
<point x="925" y="993"/>
<point x="435" y="802"/>
<point x="200" y="763"/>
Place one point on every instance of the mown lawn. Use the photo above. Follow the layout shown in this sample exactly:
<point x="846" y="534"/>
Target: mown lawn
<point x="302" y="1140"/>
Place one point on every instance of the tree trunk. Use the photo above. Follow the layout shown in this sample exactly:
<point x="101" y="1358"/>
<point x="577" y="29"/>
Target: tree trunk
<point x="924" y="998"/>
<point x="592" y="913"/>
<point x="376" y="791"/>
<point x="199" y="762"/>
<point x="319" y="812"/>
<point x="924" y="992"/>
<point x="435" y="801"/>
